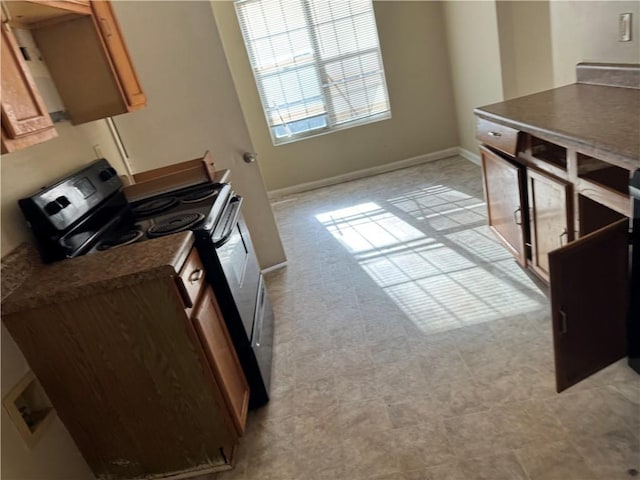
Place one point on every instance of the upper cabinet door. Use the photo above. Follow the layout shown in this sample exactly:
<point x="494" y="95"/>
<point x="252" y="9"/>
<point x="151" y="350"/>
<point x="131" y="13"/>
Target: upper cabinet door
<point x="503" y="193"/>
<point x="550" y="217"/>
<point x="589" y="294"/>
<point x="23" y="110"/>
<point x="118" y="53"/>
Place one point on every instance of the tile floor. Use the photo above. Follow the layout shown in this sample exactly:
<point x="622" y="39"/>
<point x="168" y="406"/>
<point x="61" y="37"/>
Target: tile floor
<point x="410" y="345"/>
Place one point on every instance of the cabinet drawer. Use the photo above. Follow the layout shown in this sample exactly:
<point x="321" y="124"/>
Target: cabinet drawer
<point x="497" y="136"/>
<point x="192" y="275"/>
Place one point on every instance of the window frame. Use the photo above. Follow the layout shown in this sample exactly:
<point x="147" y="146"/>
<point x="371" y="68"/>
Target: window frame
<point x="320" y="65"/>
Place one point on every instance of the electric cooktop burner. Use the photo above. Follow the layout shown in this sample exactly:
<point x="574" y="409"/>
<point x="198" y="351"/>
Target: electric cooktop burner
<point x="175" y="224"/>
<point x="200" y="193"/>
<point x="125" y="238"/>
<point x="155" y="205"/>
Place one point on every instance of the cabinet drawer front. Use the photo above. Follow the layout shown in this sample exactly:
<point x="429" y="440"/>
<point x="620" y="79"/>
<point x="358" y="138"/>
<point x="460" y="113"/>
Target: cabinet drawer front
<point x="192" y="275"/>
<point x="497" y="136"/>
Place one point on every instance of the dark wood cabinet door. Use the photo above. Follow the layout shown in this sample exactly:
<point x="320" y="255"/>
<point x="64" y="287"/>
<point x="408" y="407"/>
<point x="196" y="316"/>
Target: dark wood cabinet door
<point x="222" y="357"/>
<point x="503" y="192"/>
<point x="550" y="217"/>
<point x="589" y="295"/>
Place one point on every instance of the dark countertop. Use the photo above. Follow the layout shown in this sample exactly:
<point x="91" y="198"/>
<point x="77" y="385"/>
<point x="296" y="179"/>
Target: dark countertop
<point x="91" y="274"/>
<point x="602" y="121"/>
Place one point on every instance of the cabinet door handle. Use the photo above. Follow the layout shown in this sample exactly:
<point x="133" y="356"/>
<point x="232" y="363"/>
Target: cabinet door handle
<point x="106" y="27"/>
<point x="495" y="134"/>
<point x="196" y="275"/>
<point x="563" y="322"/>
<point x="517" y="218"/>
<point x="562" y="235"/>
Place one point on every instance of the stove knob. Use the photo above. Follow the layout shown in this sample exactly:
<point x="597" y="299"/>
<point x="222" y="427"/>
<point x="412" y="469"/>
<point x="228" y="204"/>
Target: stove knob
<point x="63" y="201"/>
<point x="107" y="173"/>
<point x="52" y="208"/>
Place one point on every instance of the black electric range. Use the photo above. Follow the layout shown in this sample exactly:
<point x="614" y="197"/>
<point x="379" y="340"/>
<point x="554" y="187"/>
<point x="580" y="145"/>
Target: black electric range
<point x="87" y="213"/>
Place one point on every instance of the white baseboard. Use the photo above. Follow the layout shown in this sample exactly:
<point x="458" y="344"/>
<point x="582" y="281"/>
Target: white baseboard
<point x="273" y="268"/>
<point x="472" y="157"/>
<point x="366" y="172"/>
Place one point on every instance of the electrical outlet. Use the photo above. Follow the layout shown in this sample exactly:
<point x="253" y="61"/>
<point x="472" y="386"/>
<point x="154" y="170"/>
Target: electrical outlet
<point x="624" y="27"/>
<point x="98" y="150"/>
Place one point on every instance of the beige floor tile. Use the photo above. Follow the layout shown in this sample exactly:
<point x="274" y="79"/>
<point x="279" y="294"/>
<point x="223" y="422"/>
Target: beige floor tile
<point x="313" y="366"/>
<point x="356" y="385"/>
<point x="318" y="429"/>
<point x="320" y="463"/>
<point x="413" y="412"/>
<point x="374" y="349"/>
<point x="422" y="446"/>
<point x="450" y="471"/>
<point x="476" y="435"/>
<point x="363" y="418"/>
<point x="610" y="455"/>
<point x="277" y="464"/>
<point x="349" y="360"/>
<point x="311" y="397"/>
<point x="368" y="456"/>
<point x="586" y="413"/>
<point x="459" y="397"/>
<point x="555" y="461"/>
<point x="495" y="467"/>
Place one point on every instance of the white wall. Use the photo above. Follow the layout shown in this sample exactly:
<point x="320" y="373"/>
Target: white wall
<point x="474" y="53"/>
<point x="587" y="31"/>
<point x="192" y="105"/>
<point x="524" y="30"/>
<point x="423" y="119"/>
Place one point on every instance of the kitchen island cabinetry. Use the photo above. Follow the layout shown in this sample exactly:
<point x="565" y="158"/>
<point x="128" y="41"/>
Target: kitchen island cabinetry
<point x="576" y="148"/>
<point x="504" y="190"/>
<point x="135" y="358"/>
<point x="550" y="217"/>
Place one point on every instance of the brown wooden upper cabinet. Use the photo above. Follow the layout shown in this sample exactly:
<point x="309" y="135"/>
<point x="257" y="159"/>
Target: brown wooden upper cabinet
<point x="90" y="65"/>
<point x="85" y="53"/>
<point x="25" y="120"/>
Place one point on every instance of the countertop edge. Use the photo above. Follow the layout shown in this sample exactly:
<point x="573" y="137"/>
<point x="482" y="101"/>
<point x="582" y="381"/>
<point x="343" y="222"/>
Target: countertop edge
<point x="26" y="298"/>
<point x="619" y="159"/>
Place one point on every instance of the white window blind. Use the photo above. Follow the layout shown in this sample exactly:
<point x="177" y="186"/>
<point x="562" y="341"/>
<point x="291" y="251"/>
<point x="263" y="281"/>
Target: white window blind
<point x="317" y="64"/>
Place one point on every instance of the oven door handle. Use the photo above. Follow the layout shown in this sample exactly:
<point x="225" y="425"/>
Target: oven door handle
<point x="231" y="221"/>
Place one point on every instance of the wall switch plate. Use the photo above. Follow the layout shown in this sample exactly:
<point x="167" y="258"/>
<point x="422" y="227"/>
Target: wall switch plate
<point x="624" y="27"/>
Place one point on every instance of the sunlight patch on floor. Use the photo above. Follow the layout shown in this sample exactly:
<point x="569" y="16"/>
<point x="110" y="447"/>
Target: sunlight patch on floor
<point x="444" y="281"/>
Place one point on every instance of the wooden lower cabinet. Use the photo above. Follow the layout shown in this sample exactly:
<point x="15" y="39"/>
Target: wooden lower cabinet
<point x="589" y="299"/>
<point x="504" y="194"/>
<point x="572" y="233"/>
<point x="144" y="388"/>
<point x="550" y="217"/>
<point x="222" y="357"/>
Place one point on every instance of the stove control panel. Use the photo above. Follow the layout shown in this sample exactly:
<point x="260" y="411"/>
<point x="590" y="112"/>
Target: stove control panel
<point x="58" y="206"/>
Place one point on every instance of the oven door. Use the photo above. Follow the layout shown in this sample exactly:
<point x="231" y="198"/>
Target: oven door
<point x="238" y="261"/>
